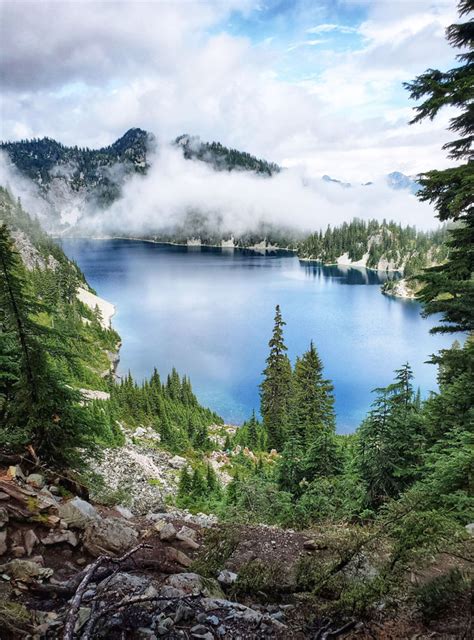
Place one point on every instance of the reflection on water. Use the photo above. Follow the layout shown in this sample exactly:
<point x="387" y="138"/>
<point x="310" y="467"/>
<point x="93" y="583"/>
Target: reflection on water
<point x="209" y="312"/>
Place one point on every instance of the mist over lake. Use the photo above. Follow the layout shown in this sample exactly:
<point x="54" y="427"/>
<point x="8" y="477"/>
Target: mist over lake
<point x="209" y="312"/>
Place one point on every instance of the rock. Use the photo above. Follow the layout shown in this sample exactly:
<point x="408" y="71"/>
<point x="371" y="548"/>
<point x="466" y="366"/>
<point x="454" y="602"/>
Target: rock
<point x="178" y="556"/>
<point x="200" y="631"/>
<point x="214" y="620"/>
<point x="310" y="545"/>
<point x="110" y="536"/>
<point x="127" y="584"/>
<point x="227" y="577"/>
<point x="177" y="462"/>
<point x="3" y="516"/>
<point x="83" y="616"/>
<point x="361" y="568"/>
<point x="77" y="513"/>
<point x="192" y="583"/>
<point x="183" y="612"/>
<point x="167" y="532"/>
<point x="3" y="542"/>
<point x="4" y="496"/>
<point x="186" y="542"/>
<point x="470" y="528"/>
<point x="124" y="512"/>
<point x="187" y="532"/>
<point x="25" y="570"/>
<point x="57" y="537"/>
<point x="36" y="480"/>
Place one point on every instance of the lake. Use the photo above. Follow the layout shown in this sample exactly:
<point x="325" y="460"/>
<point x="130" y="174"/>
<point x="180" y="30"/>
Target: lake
<point x="209" y="312"/>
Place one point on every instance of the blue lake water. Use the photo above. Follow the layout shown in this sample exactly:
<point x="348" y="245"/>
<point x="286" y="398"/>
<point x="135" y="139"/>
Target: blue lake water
<point x="209" y="313"/>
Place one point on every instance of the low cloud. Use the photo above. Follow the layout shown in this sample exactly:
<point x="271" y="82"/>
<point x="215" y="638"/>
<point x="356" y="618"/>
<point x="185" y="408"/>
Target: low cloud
<point x="238" y="202"/>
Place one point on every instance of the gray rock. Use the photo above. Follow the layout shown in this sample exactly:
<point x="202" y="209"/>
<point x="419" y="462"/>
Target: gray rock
<point x="192" y="583"/>
<point x="227" y="577"/>
<point x="36" y="480"/>
<point x="77" y="513"/>
<point x="214" y="620"/>
<point x="187" y="532"/>
<point x="126" y="583"/>
<point x="470" y="528"/>
<point x="30" y="540"/>
<point x="177" y="462"/>
<point x="110" y="536"/>
<point x="167" y="532"/>
<point x="124" y="512"/>
<point x="57" y="537"/>
<point x="25" y="570"/>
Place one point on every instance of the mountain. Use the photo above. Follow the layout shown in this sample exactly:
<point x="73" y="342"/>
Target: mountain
<point x="222" y="158"/>
<point x="395" y="180"/>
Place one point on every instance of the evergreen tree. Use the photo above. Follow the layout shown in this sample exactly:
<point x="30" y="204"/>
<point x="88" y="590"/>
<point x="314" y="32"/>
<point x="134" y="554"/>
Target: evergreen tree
<point x="449" y="288"/>
<point x="275" y="390"/>
<point x="313" y="407"/>
<point x="391" y="440"/>
<point x="39" y="407"/>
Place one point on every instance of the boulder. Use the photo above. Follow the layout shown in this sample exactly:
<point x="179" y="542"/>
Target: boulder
<point x="36" y="480"/>
<point x="77" y="513"/>
<point x="470" y="528"/>
<point x="167" y="531"/>
<point x="25" y="570"/>
<point x="110" y="536"/>
<point x="127" y="584"/>
<point x="187" y="532"/>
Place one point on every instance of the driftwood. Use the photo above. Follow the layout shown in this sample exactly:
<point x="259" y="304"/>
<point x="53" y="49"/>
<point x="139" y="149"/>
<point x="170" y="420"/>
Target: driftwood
<point x="328" y="633"/>
<point x="127" y="602"/>
<point x="87" y="575"/>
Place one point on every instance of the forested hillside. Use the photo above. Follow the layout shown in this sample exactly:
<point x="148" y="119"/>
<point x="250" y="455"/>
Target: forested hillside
<point x="378" y="245"/>
<point x="222" y="158"/>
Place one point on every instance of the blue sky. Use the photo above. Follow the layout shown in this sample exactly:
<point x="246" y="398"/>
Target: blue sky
<point x="313" y="84"/>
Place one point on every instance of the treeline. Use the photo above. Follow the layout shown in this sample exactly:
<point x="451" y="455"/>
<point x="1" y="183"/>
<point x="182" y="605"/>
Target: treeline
<point x="405" y="247"/>
<point x="170" y="407"/>
<point x="96" y="170"/>
<point x="222" y="158"/>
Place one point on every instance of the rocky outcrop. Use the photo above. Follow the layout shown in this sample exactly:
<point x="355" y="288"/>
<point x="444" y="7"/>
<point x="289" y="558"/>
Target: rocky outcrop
<point x="143" y="475"/>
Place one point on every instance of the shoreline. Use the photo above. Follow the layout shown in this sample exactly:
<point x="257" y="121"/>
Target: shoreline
<point x="254" y="248"/>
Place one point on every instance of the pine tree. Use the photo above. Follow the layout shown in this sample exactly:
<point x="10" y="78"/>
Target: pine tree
<point x="391" y="440"/>
<point x="42" y="409"/>
<point x="313" y="407"/>
<point x="275" y="390"/>
<point x="449" y="288"/>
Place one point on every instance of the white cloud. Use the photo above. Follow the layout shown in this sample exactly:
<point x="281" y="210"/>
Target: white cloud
<point x="328" y="28"/>
<point x="84" y="72"/>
